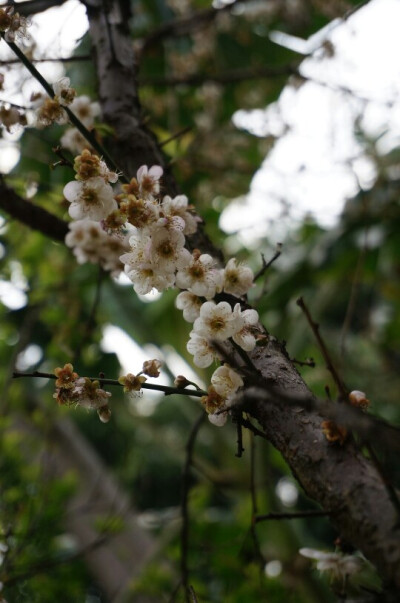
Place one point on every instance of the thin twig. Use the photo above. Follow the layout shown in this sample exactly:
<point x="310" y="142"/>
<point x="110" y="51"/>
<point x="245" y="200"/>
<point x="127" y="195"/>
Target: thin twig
<point x="185" y="503"/>
<point x="266" y="265"/>
<point x="309" y="362"/>
<point x="192" y="594"/>
<point x="324" y="350"/>
<point x="175" y="136"/>
<point x="63" y="160"/>
<point x="246" y="423"/>
<point x="197" y="393"/>
<point x="293" y="515"/>
<point x="237" y="419"/>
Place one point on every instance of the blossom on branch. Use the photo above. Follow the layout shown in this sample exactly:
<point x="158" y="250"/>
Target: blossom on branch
<point x="85" y="110"/>
<point x="338" y="566"/>
<point x="216" y="321"/>
<point x="190" y="304"/>
<point x="201" y="349"/>
<point x="179" y="206"/>
<point x="13" y="24"/>
<point x="198" y="274"/>
<point x="92" y="199"/>
<point x="237" y="278"/>
<point x="65" y="376"/>
<point x="226" y="381"/>
<point x="64" y="93"/>
<point x="132" y="383"/>
<point x="245" y="322"/>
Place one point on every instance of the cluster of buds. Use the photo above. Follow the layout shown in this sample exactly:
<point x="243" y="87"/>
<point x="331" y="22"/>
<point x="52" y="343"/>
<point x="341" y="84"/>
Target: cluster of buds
<point x="12" y="25"/>
<point x="92" y="201"/>
<point x="72" y="390"/>
<point x="50" y="110"/>
<point x="133" y="383"/>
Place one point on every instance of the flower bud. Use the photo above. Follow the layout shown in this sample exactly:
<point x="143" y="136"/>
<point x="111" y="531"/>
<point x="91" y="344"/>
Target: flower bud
<point x="359" y="399"/>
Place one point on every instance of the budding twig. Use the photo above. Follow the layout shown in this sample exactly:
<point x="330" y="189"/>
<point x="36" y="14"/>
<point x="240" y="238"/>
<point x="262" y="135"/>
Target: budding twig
<point x="266" y="265"/>
<point x="72" y="117"/>
<point x="324" y="350"/>
<point x="167" y="390"/>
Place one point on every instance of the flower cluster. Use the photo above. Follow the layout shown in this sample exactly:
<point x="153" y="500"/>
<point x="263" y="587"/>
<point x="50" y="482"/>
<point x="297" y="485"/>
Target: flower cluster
<point x="133" y="383"/>
<point x="91" y="199"/>
<point x="157" y="245"/>
<point x="12" y="24"/>
<point x="72" y="390"/>
<point x="224" y="384"/>
<point x="51" y="110"/>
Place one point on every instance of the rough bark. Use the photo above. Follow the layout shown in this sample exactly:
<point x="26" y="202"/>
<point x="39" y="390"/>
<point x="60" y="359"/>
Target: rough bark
<point x="339" y="478"/>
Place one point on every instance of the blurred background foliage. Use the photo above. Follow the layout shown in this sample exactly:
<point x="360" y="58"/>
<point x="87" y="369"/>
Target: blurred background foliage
<point x="349" y="276"/>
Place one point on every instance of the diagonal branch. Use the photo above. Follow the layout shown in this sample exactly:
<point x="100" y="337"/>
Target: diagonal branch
<point x="31" y="215"/>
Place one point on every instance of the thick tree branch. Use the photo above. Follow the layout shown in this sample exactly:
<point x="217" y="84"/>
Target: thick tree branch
<point x="30" y="214"/>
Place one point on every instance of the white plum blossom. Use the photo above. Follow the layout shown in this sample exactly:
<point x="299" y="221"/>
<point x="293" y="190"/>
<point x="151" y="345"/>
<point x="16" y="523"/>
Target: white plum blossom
<point x="179" y="206"/>
<point x="199" y="275"/>
<point x="149" y="180"/>
<point x="337" y="565"/>
<point x="190" y="304"/>
<point x="92" y="199"/>
<point x="166" y="249"/>
<point x="237" y="278"/>
<point x="246" y="321"/>
<point x="201" y="349"/>
<point x="218" y="418"/>
<point x="64" y="93"/>
<point x="216" y="321"/>
<point x="85" y="110"/>
<point x="139" y="251"/>
<point x="73" y="140"/>
<point x="226" y="381"/>
<point x="90" y="243"/>
<point x="145" y="278"/>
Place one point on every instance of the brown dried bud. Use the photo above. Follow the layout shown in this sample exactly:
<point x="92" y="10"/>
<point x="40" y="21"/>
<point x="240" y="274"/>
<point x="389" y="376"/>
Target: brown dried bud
<point x="65" y="376"/>
<point x="150" y="367"/>
<point x="334" y="432"/>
